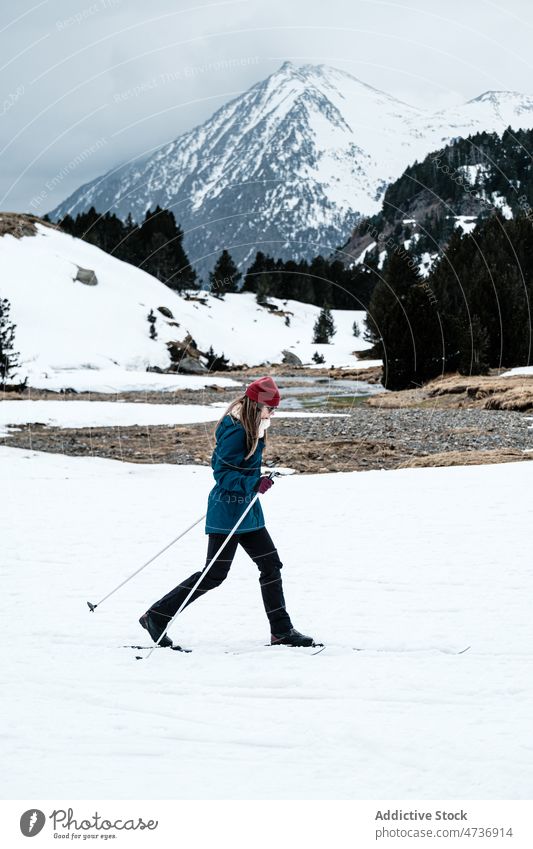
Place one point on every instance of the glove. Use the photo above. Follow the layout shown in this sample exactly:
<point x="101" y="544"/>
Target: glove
<point x="264" y="483"/>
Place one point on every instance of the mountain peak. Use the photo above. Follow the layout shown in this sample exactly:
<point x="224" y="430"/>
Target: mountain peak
<point x="290" y="163"/>
<point x="326" y="78"/>
<point x="286" y="69"/>
<point x="494" y="96"/>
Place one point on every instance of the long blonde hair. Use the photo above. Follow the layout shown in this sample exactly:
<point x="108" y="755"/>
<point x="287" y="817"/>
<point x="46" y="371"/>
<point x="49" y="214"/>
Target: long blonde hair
<point x="249" y="415"/>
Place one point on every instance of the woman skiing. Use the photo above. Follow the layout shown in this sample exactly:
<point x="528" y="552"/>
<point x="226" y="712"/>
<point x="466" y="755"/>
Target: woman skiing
<point x="236" y="464"/>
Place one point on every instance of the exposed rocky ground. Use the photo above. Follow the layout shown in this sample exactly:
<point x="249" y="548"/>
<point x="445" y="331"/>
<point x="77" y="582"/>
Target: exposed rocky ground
<point x="449" y="421"/>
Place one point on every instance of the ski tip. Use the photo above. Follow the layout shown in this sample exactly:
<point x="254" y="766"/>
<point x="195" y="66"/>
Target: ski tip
<point x="413" y="651"/>
<point x="92" y="607"/>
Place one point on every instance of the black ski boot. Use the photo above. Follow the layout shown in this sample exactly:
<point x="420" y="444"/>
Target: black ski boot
<point x="149" y="622"/>
<point x="291" y="638"/>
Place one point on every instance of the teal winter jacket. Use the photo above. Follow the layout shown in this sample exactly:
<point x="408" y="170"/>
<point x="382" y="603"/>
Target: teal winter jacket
<point x="235" y="481"/>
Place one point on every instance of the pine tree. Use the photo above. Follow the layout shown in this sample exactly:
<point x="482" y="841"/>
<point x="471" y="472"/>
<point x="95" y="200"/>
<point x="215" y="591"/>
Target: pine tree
<point x="160" y="245"/>
<point x="110" y="232"/>
<point x="159" y="257"/>
<point x="86" y="226"/>
<point x="265" y="277"/>
<point x="68" y="225"/>
<point x="253" y="273"/>
<point x="184" y="277"/>
<point x="486" y="275"/>
<point x="263" y="290"/>
<point x="324" y="327"/>
<point x="473" y="348"/>
<point x="403" y="325"/>
<point x="8" y="357"/>
<point x="151" y="321"/>
<point x="321" y="289"/>
<point x="215" y="362"/>
<point x="225" y="275"/>
<point x="286" y="274"/>
<point x="129" y="249"/>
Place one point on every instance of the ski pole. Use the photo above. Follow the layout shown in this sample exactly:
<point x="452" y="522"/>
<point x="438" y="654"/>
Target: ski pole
<point x="92" y="607"/>
<point x="206" y="570"/>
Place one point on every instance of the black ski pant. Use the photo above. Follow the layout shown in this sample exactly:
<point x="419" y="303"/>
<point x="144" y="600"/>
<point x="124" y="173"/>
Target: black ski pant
<point x="259" y="546"/>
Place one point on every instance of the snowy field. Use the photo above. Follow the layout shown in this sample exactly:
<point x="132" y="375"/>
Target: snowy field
<point x="93" y="332"/>
<point x="116" y="380"/>
<point x="74" y="414"/>
<point x="406" y="564"/>
<point x="522" y="370"/>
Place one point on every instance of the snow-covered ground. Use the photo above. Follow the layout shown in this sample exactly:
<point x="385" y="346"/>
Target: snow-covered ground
<point x="526" y="370"/>
<point x="72" y="334"/>
<point x="77" y="414"/>
<point x="116" y="380"/>
<point x="401" y="563"/>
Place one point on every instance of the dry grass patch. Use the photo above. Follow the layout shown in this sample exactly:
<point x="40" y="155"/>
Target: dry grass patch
<point x="468" y="458"/>
<point x="482" y="392"/>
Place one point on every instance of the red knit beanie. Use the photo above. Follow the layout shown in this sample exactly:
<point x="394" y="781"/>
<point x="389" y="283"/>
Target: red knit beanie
<point x="264" y="391"/>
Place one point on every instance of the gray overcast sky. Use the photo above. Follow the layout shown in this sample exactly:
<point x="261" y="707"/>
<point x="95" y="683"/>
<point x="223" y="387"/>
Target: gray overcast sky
<point x="108" y="80"/>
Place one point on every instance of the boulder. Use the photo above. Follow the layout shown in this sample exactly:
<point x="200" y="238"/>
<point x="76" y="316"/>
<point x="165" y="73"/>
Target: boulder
<point x="189" y="365"/>
<point x="165" y="311"/>
<point x="86" y="276"/>
<point x="291" y="359"/>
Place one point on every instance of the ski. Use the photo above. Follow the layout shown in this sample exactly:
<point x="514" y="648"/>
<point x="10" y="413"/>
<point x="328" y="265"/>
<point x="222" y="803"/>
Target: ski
<point x="147" y="648"/>
<point x="319" y="647"/>
<point x="413" y="651"/>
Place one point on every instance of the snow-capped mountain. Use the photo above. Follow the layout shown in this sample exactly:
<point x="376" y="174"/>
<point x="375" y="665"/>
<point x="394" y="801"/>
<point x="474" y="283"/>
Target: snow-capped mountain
<point x="492" y="111"/>
<point x="289" y="166"/>
<point x="458" y="185"/>
<point x="76" y="307"/>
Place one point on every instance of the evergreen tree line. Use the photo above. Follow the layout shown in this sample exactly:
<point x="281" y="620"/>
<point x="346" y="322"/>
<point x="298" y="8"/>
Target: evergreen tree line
<point x="441" y="186"/>
<point x="506" y="169"/>
<point x="472" y="313"/>
<point x="156" y="246"/>
<point x="320" y="281"/>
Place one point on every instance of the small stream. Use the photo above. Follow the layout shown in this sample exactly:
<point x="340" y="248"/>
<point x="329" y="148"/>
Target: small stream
<point x="322" y="391"/>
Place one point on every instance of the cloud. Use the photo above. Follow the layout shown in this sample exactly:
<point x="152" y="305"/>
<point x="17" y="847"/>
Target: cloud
<point x="139" y="75"/>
